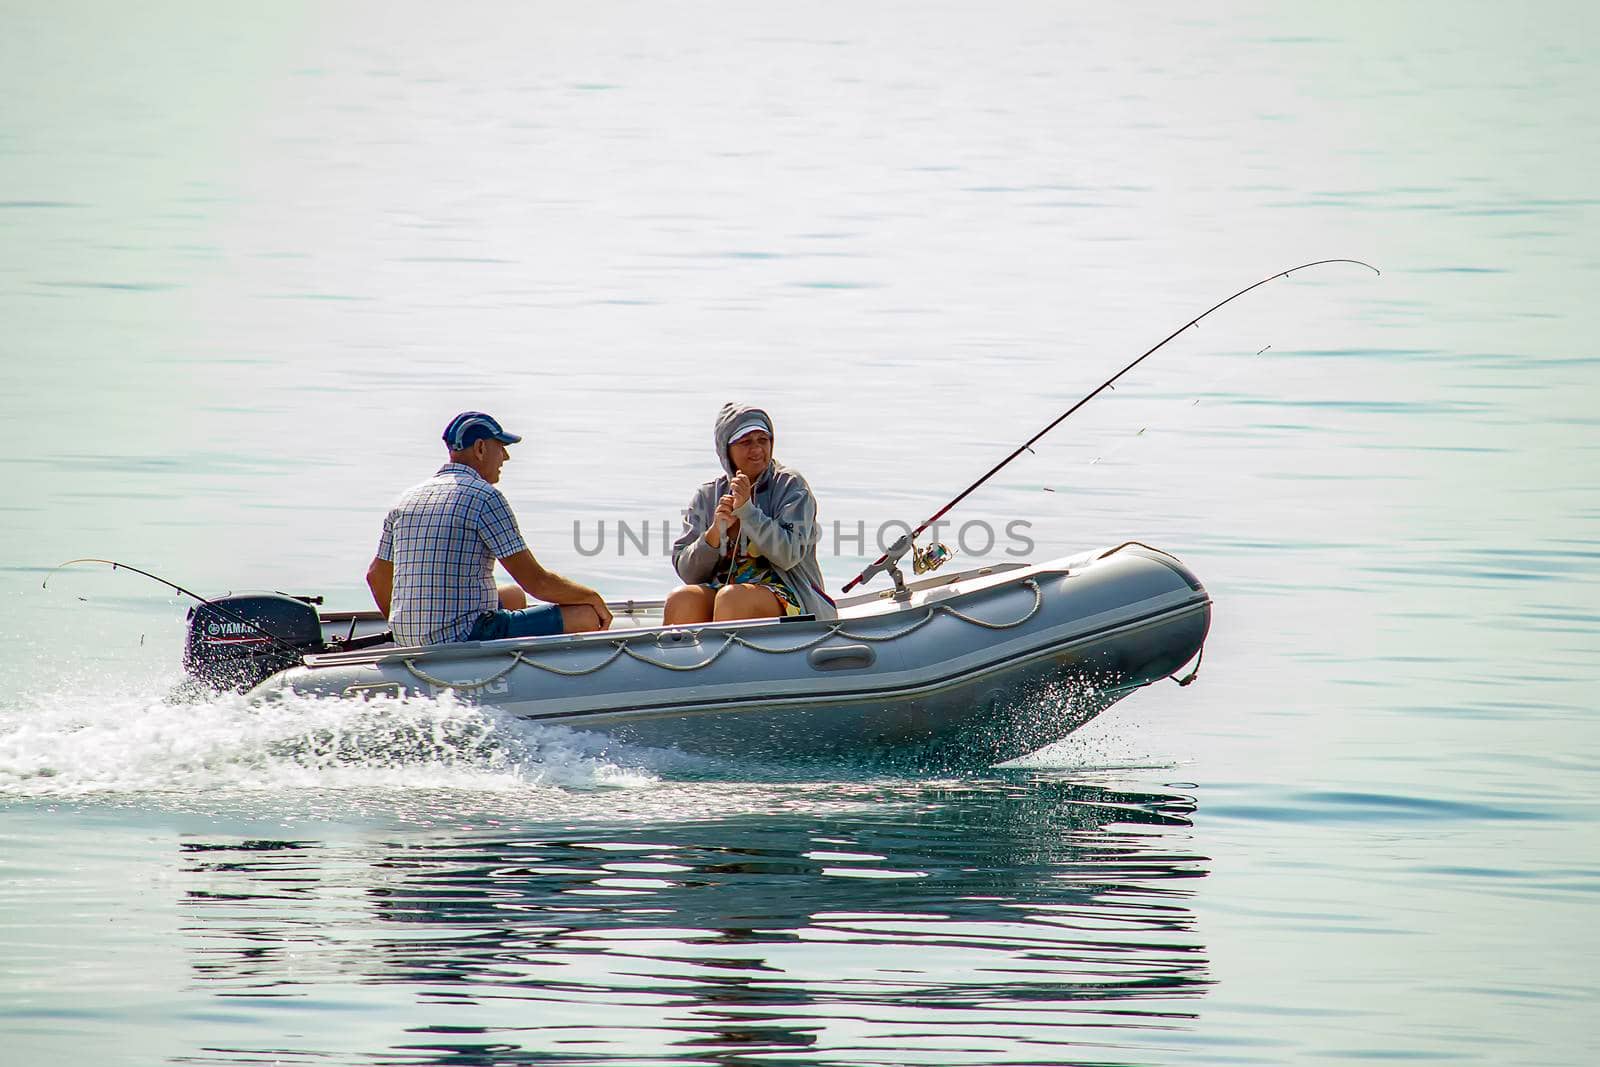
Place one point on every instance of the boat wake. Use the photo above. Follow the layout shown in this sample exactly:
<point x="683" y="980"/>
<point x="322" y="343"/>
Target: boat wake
<point x="78" y="743"/>
<point x="105" y="740"/>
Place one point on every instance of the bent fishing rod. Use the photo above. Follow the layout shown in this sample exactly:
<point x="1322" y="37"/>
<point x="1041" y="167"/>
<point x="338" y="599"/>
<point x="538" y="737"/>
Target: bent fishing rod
<point x="231" y="616"/>
<point x="890" y="558"/>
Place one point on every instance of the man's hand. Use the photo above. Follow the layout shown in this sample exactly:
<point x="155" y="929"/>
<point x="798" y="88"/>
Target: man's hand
<point x="739" y="489"/>
<point x="600" y="609"/>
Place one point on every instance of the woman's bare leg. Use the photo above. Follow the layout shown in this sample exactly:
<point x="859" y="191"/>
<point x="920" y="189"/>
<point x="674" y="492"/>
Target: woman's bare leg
<point x="745" y="602"/>
<point x="688" y="604"/>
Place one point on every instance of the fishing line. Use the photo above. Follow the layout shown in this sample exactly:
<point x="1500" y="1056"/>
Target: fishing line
<point x="1164" y="423"/>
<point x="889" y="558"/>
<point x="231" y="616"/>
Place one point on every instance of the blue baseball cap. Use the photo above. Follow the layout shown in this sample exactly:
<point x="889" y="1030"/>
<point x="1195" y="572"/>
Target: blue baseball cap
<point x="470" y="427"/>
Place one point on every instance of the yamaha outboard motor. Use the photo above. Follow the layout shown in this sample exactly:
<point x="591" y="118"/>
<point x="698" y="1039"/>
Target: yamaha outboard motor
<point x="236" y="642"/>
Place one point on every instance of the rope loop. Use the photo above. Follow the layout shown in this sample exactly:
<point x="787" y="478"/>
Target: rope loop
<point x="440" y="683"/>
<point x="578" y="672"/>
<point x="708" y="661"/>
<point x="1038" y="602"/>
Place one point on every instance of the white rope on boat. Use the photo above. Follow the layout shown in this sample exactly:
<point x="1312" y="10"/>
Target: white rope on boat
<point x="516" y="658"/>
<point x="1038" y="602"/>
<point x="440" y="683"/>
<point x="836" y="629"/>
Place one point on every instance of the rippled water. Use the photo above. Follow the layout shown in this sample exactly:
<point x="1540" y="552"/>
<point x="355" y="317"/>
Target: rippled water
<point x="250" y="261"/>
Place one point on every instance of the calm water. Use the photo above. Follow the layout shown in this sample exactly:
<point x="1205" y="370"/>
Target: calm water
<point x="250" y="262"/>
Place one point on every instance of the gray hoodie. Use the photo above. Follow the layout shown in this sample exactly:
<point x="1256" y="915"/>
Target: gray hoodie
<point x="779" y="519"/>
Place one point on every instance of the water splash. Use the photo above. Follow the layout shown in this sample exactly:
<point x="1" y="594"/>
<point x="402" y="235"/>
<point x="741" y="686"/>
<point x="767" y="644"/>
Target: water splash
<point x="80" y="743"/>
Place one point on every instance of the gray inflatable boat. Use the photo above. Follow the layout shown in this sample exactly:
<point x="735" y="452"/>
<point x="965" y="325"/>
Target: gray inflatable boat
<point x="968" y="669"/>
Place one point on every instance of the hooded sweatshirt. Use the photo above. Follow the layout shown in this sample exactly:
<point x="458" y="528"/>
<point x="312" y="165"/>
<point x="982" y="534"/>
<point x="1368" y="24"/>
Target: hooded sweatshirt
<point x="779" y="520"/>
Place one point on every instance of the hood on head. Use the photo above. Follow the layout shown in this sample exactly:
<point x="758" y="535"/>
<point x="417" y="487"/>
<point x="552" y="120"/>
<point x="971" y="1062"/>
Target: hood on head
<point x="729" y="419"/>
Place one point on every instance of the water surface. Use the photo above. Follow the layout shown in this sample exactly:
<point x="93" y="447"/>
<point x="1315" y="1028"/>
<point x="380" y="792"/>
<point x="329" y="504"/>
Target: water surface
<point x="251" y="262"/>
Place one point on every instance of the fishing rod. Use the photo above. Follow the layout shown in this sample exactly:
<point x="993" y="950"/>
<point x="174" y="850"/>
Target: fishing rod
<point x="231" y="616"/>
<point x="890" y="559"/>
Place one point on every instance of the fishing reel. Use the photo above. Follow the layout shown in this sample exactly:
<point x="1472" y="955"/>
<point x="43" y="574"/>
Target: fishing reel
<point x="923" y="560"/>
<point x="936" y="555"/>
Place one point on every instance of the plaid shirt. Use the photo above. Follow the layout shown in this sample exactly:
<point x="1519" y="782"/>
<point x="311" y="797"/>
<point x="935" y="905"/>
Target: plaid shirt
<point x="443" y="537"/>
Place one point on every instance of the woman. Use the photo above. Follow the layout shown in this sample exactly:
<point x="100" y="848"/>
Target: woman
<point x="749" y="543"/>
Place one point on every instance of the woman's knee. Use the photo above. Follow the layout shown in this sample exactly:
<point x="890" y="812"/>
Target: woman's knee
<point x="688" y="603"/>
<point x="745" y="602"/>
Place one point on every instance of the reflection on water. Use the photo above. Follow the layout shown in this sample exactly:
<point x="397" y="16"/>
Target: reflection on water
<point x="967" y="921"/>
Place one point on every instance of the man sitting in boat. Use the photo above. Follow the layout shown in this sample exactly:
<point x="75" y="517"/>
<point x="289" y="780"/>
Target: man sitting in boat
<point x="433" y="575"/>
<point x="749" y="544"/>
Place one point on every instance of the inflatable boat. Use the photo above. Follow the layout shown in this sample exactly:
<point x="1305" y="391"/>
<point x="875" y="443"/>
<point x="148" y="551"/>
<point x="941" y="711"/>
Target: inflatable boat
<point x="968" y="669"/>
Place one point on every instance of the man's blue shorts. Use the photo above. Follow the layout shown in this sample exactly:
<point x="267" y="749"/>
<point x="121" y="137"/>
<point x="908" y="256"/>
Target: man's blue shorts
<point x="541" y="621"/>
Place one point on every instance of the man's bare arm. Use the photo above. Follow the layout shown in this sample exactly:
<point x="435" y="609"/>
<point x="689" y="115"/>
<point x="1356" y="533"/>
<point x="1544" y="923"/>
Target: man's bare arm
<point x="380" y="579"/>
<point x="550" y="587"/>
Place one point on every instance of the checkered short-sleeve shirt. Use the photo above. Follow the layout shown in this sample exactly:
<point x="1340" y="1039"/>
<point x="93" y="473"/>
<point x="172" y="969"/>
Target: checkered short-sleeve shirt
<point x="443" y="537"/>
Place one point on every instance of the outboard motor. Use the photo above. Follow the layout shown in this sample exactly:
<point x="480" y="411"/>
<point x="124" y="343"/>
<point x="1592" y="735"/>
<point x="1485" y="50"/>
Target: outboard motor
<point x="229" y="647"/>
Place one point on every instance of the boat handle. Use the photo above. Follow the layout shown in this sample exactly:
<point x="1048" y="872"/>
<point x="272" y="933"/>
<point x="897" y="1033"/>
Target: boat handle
<point x="842" y="657"/>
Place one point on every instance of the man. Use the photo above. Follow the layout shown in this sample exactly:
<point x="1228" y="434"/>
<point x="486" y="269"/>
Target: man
<point x="433" y="575"/>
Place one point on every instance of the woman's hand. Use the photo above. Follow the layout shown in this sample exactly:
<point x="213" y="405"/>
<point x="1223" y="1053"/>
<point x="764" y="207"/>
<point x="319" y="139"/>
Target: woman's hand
<point x="720" y="521"/>
<point x="739" y="490"/>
